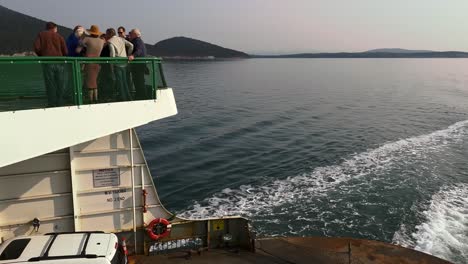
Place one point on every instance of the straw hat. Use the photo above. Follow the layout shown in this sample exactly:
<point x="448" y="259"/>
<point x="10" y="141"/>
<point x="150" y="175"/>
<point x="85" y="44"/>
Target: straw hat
<point x="94" y="30"/>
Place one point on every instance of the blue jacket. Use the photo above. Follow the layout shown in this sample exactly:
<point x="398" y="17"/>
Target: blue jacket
<point x="72" y="44"/>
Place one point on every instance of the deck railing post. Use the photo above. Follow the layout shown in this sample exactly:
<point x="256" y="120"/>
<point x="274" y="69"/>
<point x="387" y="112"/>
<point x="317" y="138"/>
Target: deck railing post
<point x="154" y="84"/>
<point x="161" y="73"/>
<point x="78" y="91"/>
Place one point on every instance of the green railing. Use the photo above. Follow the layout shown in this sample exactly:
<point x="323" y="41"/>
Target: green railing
<point x="43" y="82"/>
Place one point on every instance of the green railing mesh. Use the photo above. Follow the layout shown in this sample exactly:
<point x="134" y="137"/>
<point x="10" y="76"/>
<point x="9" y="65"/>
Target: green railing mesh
<point x="42" y="82"/>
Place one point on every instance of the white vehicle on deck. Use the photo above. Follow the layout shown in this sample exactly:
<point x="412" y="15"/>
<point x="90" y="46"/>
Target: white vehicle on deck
<point x="81" y="247"/>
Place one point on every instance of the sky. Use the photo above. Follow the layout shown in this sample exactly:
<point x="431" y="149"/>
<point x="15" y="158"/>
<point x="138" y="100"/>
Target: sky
<point x="273" y="26"/>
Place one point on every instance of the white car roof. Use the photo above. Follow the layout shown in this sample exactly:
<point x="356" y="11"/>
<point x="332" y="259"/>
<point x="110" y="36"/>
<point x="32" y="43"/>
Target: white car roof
<point x="73" y="244"/>
<point x="67" y="244"/>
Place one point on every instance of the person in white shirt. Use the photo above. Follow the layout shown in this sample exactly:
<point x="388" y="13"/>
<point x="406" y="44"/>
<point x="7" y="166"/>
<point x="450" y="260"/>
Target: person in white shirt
<point x="119" y="47"/>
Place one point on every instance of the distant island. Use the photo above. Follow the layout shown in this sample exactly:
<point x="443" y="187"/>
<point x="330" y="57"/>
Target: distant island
<point x="18" y="32"/>
<point x="186" y="48"/>
<point x="375" y="53"/>
<point x="397" y="50"/>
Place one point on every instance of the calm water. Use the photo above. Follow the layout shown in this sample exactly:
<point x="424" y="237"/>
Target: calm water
<point x="368" y="148"/>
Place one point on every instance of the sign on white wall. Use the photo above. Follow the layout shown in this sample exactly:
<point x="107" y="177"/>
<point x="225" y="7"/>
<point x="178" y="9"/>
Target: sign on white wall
<point x="106" y="177"/>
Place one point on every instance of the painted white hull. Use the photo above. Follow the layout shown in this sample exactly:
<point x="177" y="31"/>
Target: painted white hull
<point x="31" y="133"/>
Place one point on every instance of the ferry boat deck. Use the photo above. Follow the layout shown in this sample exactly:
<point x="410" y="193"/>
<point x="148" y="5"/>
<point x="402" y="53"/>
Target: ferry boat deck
<point x="300" y="251"/>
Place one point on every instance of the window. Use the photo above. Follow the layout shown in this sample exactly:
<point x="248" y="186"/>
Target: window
<point x="14" y="249"/>
<point x="119" y="257"/>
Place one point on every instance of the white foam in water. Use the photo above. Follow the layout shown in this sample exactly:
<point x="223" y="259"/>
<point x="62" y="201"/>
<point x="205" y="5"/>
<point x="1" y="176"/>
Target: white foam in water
<point x="250" y="200"/>
<point x="445" y="230"/>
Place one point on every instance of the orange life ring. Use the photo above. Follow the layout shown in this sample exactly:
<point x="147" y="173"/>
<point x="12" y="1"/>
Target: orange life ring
<point x="158" y="228"/>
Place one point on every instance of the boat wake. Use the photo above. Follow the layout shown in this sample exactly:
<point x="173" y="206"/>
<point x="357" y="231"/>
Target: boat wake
<point x="444" y="230"/>
<point x="258" y="200"/>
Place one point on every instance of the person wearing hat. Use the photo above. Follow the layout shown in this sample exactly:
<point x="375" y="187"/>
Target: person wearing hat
<point x="93" y="44"/>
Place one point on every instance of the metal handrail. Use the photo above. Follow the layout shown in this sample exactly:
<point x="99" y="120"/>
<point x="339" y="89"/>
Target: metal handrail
<point x="153" y="64"/>
<point x="63" y="59"/>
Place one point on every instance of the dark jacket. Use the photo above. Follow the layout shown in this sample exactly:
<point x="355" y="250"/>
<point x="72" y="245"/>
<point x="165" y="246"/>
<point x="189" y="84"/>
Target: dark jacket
<point x="139" y="48"/>
<point x="49" y="43"/>
<point x="105" y="51"/>
<point x="72" y="44"/>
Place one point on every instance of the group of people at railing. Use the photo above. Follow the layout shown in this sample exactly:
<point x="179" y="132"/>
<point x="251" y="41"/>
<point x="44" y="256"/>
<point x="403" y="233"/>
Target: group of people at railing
<point x="93" y="43"/>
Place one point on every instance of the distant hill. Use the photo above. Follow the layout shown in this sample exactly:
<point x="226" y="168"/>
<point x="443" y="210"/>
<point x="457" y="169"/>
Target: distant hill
<point x="183" y="47"/>
<point x="396" y="50"/>
<point x="430" y="54"/>
<point x="18" y="31"/>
